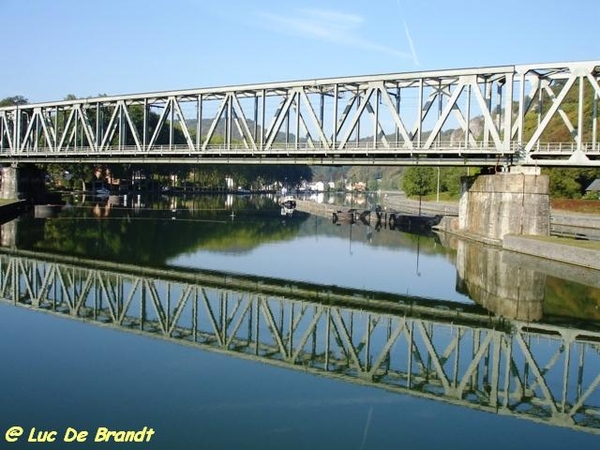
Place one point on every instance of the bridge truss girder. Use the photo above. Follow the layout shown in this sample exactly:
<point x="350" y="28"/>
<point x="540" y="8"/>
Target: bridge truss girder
<point x="492" y="115"/>
<point x="540" y="372"/>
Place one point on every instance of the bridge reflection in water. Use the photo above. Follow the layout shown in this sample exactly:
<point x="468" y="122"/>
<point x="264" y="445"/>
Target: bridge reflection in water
<point x="455" y="353"/>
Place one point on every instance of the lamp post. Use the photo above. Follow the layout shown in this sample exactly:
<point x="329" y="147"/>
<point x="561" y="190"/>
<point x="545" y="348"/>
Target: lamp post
<point x="421" y="187"/>
<point x="437" y="195"/>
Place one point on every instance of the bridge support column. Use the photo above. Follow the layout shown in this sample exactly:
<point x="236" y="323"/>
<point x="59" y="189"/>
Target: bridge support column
<point x="493" y="206"/>
<point x="22" y="182"/>
<point x="8" y="183"/>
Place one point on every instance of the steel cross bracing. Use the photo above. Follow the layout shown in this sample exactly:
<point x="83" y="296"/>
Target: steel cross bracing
<point x="480" y="116"/>
<point x="539" y="372"/>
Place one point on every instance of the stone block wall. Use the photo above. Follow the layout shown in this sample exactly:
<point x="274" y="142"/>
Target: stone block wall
<point x="23" y="182"/>
<point x="8" y="183"/>
<point x="493" y="206"/>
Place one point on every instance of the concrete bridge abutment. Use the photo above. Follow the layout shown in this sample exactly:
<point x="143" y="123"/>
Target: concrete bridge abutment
<point x="24" y="181"/>
<point x="8" y="183"/>
<point x="493" y="206"/>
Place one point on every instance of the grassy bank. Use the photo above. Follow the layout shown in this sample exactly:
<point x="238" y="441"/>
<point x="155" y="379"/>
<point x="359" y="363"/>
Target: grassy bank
<point x="582" y="206"/>
<point x="592" y="245"/>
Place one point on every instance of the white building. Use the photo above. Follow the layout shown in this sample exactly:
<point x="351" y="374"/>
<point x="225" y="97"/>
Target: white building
<point x="319" y="186"/>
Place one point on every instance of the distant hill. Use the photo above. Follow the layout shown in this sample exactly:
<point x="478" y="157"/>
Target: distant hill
<point x="235" y="133"/>
<point x="391" y="177"/>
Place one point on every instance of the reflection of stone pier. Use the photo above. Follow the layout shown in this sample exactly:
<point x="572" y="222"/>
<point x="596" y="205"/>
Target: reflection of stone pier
<point x="508" y="290"/>
<point x="9" y="213"/>
<point x="8" y="234"/>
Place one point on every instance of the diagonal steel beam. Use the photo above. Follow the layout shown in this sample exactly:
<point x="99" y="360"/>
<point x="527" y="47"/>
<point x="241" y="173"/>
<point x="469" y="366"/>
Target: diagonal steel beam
<point x="551" y="111"/>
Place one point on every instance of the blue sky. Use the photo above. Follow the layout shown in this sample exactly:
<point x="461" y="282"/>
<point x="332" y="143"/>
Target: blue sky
<point x="55" y="48"/>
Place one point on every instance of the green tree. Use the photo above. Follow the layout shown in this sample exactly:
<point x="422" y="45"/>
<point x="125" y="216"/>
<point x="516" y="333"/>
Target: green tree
<point x="450" y="179"/>
<point x="13" y="101"/>
<point x="570" y="183"/>
<point x="419" y="180"/>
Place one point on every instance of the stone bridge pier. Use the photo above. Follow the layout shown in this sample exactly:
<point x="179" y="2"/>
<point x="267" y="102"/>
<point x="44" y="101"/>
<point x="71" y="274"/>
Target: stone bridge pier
<point x="493" y="206"/>
<point x="23" y="181"/>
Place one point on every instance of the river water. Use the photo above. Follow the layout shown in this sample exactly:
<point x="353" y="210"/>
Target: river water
<point x="221" y="323"/>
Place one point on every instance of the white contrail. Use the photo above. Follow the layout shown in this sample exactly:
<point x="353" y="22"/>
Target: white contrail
<point x="411" y="44"/>
<point x="326" y="25"/>
<point x="369" y="416"/>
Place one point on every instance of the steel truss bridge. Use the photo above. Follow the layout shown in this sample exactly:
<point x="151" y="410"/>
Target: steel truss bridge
<point x="477" y="116"/>
<point x="457" y="354"/>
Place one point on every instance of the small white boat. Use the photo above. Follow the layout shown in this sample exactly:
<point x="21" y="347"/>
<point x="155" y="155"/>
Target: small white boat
<point x="288" y="202"/>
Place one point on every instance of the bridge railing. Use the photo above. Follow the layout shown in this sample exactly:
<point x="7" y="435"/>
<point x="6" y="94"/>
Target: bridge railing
<point x="438" y="153"/>
<point x="237" y="148"/>
<point x="558" y="148"/>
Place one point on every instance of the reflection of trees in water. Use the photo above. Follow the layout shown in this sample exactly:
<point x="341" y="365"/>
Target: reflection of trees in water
<point x="384" y="236"/>
<point x="566" y="298"/>
<point x="213" y="203"/>
<point x="157" y="233"/>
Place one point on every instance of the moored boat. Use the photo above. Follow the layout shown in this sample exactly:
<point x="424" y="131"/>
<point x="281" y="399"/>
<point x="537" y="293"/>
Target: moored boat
<point x="288" y="202"/>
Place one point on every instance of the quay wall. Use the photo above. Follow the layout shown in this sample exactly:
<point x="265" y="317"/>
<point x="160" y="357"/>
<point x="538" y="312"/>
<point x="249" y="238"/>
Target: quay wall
<point x="558" y="249"/>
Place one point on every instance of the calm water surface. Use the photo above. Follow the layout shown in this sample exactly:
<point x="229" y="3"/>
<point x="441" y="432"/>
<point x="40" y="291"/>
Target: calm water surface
<point x="59" y="372"/>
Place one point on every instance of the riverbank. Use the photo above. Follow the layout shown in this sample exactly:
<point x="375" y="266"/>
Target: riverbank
<point x="565" y="223"/>
<point x="567" y="250"/>
<point x="575" y="235"/>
